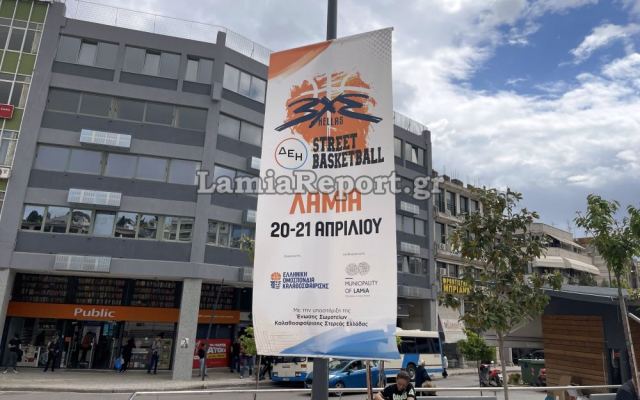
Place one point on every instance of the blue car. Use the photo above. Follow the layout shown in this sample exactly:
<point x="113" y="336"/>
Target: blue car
<point x="348" y="374"/>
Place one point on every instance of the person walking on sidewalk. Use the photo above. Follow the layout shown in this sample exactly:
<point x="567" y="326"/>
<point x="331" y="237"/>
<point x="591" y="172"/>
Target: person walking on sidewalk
<point x="202" y="356"/>
<point x="156" y="347"/>
<point x="235" y="356"/>
<point x="15" y="353"/>
<point x="53" y="350"/>
<point x="445" y="366"/>
<point x="127" y="352"/>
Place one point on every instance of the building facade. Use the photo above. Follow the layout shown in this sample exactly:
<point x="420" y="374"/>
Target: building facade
<point x="103" y="234"/>
<point x="21" y="24"/>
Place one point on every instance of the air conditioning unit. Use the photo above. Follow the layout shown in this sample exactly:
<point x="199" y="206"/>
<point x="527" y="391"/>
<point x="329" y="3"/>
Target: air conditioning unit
<point x="94" y="197"/>
<point x="409" y="207"/>
<point x="5" y="172"/>
<point x="105" y="139"/>
<point x="253" y="163"/>
<point x="409" y="248"/>
<point x="72" y="262"/>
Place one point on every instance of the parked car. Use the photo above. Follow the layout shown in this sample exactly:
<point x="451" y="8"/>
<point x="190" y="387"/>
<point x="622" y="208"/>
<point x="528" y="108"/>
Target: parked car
<point x="348" y="374"/>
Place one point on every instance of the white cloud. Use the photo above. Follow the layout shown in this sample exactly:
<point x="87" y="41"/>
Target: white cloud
<point x="601" y="36"/>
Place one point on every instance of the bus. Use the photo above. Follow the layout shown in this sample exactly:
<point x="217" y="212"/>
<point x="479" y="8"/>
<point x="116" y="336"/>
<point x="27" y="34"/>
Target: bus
<point x="291" y="369"/>
<point x="416" y="345"/>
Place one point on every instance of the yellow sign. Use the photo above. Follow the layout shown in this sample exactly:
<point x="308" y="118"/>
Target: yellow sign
<point x="454" y="286"/>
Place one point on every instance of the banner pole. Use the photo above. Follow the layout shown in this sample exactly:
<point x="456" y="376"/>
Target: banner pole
<point x="369" y="383"/>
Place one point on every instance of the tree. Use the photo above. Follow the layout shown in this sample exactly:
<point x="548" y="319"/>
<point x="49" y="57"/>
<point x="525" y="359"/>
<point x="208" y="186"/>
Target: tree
<point x="474" y="348"/>
<point x="248" y="244"/>
<point x="248" y="342"/>
<point x="617" y="241"/>
<point x="504" y="295"/>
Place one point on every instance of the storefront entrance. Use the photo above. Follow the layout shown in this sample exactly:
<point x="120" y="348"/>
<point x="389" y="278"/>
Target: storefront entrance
<point x="91" y="344"/>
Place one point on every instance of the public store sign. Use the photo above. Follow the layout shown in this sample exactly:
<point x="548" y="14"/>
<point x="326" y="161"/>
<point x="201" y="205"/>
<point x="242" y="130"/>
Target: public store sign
<point x="454" y="286"/>
<point x="6" y="111"/>
<point x="324" y="275"/>
<point x="114" y="313"/>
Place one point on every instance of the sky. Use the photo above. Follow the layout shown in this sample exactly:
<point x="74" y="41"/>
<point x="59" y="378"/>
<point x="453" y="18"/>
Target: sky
<point x="541" y="96"/>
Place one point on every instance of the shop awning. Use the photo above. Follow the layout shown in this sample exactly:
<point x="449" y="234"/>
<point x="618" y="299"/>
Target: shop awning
<point x="582" y="266"/>
<point x="550" y="262"/>
<point x="563" y="240"/>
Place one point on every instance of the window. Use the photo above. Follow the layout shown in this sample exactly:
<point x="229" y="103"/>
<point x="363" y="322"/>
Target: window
<point x="452" y="270"/>
<point x="68" y="48"/>
<point x="199" y="70"/>
<point x="63" y="100"/>
<point x="407" y="345"/>
<point x="103" y="224"/>
<point x="439" y="201"/>
<point x="228" y="126"/>
<point x="220" y="171"/>
<point x="151" y="168"/>
<point x="397" y="147"/>
<point x="51" y="158"/>
<point x="5" y="90"/>
<point x="464" y="204"/>
<point x="4" y="35"/>
<point x="148" y="227"/>
<point x="159" y="113"/>
<point x="441" y="235"/>
<point x="151" y="64"/>
<point x="15" y="41"/>
<point x="251" y="134"/>
<point x="85" y="161"/>
<point x="8" y="147"/>
<point x="451" y="202"/>
<point x="87" y="55"/>
<point x="183" y="172"/>
<point x="57" y="219"/>
<point x="134" y="59"/>
<point x="80" y="221"/>
<point x="31" y="41"/>
<point x="126" y="223"/>
<point x="120" y="165"/>
<point x="407" y="224"/>
<point x="420" y="227"/>
<point x="176" y="228"/>
<point x="192" y="118"/>
<point x="169" y="64"/>
<point x="19" y="95"/>
<point x="32" y="218"/>
<point x="474" y="206"/>
<point x="414" y="154"/>
<point x="95" y="104"/>
<point x="107" y="55"/>
<point x="130" y="109"/>
<point x="244" y="84"/>
<point x="228" y="235"/>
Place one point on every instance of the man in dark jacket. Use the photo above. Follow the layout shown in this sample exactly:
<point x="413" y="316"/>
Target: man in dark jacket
<point x="422" y="375"/>
<point x="627" y="391"/>
<point x="53" y="353"/>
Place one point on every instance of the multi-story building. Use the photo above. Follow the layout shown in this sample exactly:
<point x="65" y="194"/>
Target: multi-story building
<point x="450" y="205"/>
<point x="21" y="24"/>
<point x="565" y="255"/>
<point x="605" y="278"/>
<point x="103" y="235"/>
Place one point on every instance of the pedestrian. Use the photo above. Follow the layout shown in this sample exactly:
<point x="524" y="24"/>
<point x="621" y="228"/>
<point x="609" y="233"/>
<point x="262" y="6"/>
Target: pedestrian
<point x="627" y="391"/>
<point x="267" y="368"/>
<point x="445" y="366"/>
<point x="53" y="352"/>
<point x="202" y="356"/>
<point x="127" y="351"/>
<point x="86" y="345"/>
<point x="401" y="390"/>
<point x="422" y="375"/>
<point x="156" y="348"/>
<point x="235" y="356"/>
<point x="15" y="353"/>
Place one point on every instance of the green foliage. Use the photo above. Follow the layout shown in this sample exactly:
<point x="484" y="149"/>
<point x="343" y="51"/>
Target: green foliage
<point x="502" y="296"/>
<point x="248" y="342"/>
<point x="249" y="246"/>
<point x="617" y="240"/>
<point x="515" y="378"/>
<point x="474" y="348"/>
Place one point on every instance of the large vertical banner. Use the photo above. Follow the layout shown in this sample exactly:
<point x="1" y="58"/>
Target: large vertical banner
<point x="325" y="255"/>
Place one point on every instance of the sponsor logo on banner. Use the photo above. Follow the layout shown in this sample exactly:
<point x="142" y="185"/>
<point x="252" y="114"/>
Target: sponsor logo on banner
<point x="328" y="114"/>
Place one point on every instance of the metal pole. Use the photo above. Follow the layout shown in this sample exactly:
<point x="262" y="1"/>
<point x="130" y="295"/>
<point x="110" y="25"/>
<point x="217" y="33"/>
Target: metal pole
<point x="320" y="384"/>
<point x="332" y="19"/>
<point x="213" y="311"/>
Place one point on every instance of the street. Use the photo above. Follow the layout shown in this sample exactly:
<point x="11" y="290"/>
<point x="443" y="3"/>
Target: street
<point x="452" y="381"/>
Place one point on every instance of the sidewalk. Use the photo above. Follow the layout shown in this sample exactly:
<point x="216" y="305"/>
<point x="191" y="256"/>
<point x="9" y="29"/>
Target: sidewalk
<point x="105" y="381"/>
<point x="469" y="371"/>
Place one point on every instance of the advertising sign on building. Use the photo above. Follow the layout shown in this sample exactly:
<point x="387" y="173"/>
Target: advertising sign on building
<point x="454" y="286"/>
<point x="6" y="111"/>
<point x="325" y="255"/>
<point x="217" y="353"/>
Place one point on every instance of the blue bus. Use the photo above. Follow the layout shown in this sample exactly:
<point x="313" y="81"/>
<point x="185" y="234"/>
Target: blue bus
<point x="416" y="345"/>
<point x="291" y="369"/>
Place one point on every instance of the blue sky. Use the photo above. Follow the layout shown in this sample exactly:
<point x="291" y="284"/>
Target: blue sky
<point x="542" y="96"/>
